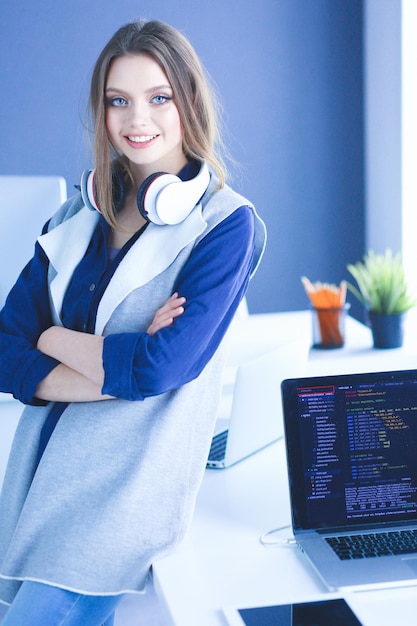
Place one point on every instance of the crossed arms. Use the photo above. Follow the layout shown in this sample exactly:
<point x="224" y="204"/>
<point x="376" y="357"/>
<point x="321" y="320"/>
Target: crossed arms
<point x="79" y="376"/>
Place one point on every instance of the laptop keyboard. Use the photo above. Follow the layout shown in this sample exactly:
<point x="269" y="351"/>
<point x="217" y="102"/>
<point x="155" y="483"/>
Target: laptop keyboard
<point x="374" y="544"/>
<point x="218" y="446"/>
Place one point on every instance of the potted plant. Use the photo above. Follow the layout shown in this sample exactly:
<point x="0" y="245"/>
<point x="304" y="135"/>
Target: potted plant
<point x="382" y="289"/>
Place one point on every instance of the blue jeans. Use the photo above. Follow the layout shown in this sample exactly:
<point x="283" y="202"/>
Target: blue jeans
<point x="37" y="604"/>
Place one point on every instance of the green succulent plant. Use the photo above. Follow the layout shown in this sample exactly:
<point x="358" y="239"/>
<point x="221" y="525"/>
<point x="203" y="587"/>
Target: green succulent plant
<point x="381" y="284"/>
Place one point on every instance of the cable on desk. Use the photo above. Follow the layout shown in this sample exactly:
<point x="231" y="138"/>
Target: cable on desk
<point x="289" y="541"/>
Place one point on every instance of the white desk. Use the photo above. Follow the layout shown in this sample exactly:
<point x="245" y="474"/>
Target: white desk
<point x="222" y="562"/>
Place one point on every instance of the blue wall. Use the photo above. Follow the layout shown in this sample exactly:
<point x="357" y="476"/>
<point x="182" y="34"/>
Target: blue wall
<point x="290" y="76"/>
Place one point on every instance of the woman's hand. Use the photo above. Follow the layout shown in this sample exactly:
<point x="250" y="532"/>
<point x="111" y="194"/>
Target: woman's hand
<point x="165" y="316"/>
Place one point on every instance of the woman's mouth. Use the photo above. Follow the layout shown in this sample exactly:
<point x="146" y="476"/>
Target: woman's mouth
<point x="140" y="140"/>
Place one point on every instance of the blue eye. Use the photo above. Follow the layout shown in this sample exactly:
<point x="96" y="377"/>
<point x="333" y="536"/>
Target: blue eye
<point x="117" y="101"/>
<point x="159" y="99"/>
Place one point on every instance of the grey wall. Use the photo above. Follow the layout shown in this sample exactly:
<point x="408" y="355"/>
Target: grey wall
<point x="290" y="76"/>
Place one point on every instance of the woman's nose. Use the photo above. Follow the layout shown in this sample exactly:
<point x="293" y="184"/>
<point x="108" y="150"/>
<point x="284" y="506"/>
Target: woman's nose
<point x="139" y="115"/>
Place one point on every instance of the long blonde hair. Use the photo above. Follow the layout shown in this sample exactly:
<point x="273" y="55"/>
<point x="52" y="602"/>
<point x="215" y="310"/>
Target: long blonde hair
<point x="193" y="95"/>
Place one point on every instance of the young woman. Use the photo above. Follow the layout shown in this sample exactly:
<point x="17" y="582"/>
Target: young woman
<point x="113" y="338"/>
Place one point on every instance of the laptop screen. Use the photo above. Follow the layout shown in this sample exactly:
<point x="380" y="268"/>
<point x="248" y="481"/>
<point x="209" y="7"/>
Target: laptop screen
<point x="352" y="448"/>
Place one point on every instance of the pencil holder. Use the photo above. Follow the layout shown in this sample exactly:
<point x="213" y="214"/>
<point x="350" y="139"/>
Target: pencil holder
<point x="329" y="327"/>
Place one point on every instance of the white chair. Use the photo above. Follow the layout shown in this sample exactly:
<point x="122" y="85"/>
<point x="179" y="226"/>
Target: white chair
<point x="26" y="203"/>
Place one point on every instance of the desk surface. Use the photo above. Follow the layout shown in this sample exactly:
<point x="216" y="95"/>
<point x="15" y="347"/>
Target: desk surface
<point x="222" y="561"/>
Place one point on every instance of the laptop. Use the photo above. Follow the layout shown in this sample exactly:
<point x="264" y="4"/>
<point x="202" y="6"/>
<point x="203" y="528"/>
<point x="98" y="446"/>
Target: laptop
<point x="351" y="443"/>
<point x="250" y="415"/>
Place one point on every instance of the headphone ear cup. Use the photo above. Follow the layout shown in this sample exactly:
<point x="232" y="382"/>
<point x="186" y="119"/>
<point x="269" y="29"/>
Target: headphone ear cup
<point x="89" y="190"/>
<point x="166" y="199"/>
<point x="147" y="196"/>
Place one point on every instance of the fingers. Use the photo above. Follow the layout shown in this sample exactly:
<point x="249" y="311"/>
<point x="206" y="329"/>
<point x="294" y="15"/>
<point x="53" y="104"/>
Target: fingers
<point x="165" y="316"/>
<point x="171" y="309"/>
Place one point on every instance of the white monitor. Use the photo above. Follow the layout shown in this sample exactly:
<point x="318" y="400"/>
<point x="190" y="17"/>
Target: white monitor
<point x="27" y="202"/>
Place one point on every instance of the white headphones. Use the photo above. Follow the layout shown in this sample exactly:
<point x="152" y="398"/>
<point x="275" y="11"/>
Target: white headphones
<point x="161" y="198"/>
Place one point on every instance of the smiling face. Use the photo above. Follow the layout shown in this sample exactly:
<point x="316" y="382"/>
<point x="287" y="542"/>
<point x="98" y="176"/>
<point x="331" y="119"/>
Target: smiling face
<point x="142" y="119"/>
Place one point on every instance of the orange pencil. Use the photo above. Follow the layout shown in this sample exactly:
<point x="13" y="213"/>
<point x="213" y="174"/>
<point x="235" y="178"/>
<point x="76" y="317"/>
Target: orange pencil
<point x="327" y="299"/>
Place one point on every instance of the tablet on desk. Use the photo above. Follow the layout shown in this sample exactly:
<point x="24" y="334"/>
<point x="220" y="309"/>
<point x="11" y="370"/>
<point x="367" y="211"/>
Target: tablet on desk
<point x="323" y="613"/>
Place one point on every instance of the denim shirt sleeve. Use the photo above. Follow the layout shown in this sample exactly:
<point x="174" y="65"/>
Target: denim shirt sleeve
<point x="213" y="281"/>
<point x="23" y="318"/>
